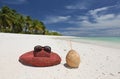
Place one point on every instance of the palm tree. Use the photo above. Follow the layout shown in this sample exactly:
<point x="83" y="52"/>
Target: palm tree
<point x="21" y="21"/>
<point x="18" y="24"/>
<point x="28" y="23"/>
<point x="36" y="27"/>
<point x="43" y="28"/>
<point x="11" y="21"/>
<point x="0" y="20"/>
<point x="6" y="18"/>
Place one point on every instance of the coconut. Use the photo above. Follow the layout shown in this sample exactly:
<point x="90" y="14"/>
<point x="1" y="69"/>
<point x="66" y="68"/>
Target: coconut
<point x="73" y="59"/>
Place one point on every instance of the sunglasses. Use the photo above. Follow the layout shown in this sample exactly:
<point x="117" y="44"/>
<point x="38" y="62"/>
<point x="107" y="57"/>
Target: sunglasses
<point x="38" y="48"/>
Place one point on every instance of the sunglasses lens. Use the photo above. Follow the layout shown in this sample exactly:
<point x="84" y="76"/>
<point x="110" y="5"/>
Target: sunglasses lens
<point x="47" y="49"/>
<point x="37" y="48"/>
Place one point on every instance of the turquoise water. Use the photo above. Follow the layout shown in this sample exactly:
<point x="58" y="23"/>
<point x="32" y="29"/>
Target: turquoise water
<point x="105" y="41"/>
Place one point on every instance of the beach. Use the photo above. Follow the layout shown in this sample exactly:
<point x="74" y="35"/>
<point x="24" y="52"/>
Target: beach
<point x="97" y="62"/>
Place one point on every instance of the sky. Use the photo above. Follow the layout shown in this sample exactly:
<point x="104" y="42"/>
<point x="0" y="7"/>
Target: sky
<point x="72" y="17"/>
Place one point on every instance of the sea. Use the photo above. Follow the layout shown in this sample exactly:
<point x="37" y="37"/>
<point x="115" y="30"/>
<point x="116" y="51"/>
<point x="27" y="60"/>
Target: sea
<point x="113" y="42"/>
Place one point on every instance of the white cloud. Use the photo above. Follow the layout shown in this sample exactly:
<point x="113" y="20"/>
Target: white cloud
<point x="78" y="5"/>
<point x="103" y="22"/>
<point x="92" y="32"/>
<point x="106" y="17"/>
<point x="56" y="19"/>
<point x="75" y="7"/>
<point x="94" y="12"/>
<point x="82" y="18"/>
<point x="105" y="25"/>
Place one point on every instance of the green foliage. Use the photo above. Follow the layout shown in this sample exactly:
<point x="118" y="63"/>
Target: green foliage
<point x="13" y="22"/>
<point x="52" y="33"/>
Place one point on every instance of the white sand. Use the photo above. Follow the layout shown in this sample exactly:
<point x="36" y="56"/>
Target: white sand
<point x="97" y="62"/>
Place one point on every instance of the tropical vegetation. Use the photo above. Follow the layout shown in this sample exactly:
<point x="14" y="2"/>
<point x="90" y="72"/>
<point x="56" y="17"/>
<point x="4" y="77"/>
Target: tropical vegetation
<point x="13" y="22"/>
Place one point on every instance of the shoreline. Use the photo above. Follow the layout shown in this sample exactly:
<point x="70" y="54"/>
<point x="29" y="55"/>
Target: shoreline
<point x="93" y="42"/>
<point x="97" y="62"/>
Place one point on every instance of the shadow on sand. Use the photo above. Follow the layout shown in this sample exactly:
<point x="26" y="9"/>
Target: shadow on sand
<point x="68" y="66"/>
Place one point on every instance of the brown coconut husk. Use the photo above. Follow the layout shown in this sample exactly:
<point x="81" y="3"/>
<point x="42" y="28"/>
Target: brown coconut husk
<point x="72" y="58"/>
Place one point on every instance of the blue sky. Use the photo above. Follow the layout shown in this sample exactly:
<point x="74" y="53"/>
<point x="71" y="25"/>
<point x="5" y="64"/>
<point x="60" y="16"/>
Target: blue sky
<point x="73" y="17"/>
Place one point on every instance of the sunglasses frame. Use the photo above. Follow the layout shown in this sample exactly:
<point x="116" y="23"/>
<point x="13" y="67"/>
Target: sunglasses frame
<point x="39" y="48"/>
